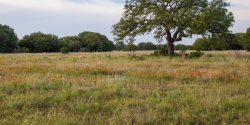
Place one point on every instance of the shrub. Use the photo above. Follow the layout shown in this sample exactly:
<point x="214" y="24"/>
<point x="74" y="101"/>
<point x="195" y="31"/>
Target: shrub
<point x="204" y="44"/>
<point x="64" y="50"/>
<point x="181" y="47"/>
<point x="84" y="49"/>
<point x="196" y="54"/>
<point x="22" y="50"/>
<point x="161" y="52"/>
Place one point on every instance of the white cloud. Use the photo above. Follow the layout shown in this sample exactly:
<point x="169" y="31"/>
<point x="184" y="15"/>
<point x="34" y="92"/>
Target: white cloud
<point x="66" y="6"/>
<point x="240" y="8"/>
<point x="60" y="17"/>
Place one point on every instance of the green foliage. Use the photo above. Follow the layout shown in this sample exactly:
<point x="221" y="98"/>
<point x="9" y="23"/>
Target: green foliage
<point x="240" y="38"/>
<point x="84" y="42"/>
<point x="84" y="49"/>
<point x="181" y="47"/>
<point x="203" y="44"/>
<point x="130" y="47"/>
<point x="22" y="50"/>
<point x="8" y="39"/>
<point x="247" y="40"/>
<point x="72" y="42"/>
<point x="223" y="42"/>
<point x="40" y="42"/>
<point x="146" y="46"/>
<point x="64" y="50"/>
<point x="196" y="54"/>
<point x="173" y="19"/>
<point x="226" y="42"/>
<point x="162" y="51"/>
<point x="95" y="42"/>
<point x="119" y="45"/>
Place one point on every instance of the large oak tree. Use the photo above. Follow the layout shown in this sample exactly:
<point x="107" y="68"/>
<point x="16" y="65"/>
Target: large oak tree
<point x="173" y="19"/>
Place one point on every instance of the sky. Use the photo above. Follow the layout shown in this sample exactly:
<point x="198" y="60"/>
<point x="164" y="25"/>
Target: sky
<point x="70" y="17"/>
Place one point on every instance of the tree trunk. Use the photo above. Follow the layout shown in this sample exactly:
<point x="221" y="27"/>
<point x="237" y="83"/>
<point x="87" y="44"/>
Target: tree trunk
<point x="171" y="48"/>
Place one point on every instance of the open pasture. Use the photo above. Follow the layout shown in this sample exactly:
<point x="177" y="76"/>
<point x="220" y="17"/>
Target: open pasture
<point x="111" y="88"/>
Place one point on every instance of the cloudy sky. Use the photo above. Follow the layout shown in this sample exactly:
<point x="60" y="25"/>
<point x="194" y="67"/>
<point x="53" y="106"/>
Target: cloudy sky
<point x="70" y="17"/>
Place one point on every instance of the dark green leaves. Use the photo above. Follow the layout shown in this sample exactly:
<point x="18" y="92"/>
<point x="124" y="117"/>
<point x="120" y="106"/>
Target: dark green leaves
<point x="8" y="39"/>
<point x="173" y="18"/>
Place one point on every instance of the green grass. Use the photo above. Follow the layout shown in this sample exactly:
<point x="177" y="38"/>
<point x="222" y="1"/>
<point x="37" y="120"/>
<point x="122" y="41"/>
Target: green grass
<point x="93" y="88"/>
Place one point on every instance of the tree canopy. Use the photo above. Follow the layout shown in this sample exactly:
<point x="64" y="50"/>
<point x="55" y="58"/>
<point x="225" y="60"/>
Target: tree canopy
<point x="85" y="41"/>
<point x="40" y="42"/>
<point x="8" y="39"/>
<point x="247" y="40"/>
<point x="224" y="42"/>
<point x="146" y="46"/>
<point x="95" y="42"/>
<point x="72" y="43"/>
<point x="173" y="19"/>
<point x="119" y="45"/>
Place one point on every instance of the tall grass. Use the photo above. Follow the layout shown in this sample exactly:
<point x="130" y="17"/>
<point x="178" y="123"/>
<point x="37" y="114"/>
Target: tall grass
<point x="93" y="88"/>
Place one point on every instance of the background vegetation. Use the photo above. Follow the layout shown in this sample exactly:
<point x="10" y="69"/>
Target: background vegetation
<point x="95" y="42"/>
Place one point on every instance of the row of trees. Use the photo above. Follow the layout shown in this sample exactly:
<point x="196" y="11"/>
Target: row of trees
<point x="93" y="42"/>
<point x="238" y="41"/>
<point x="41" y="42"/>
<point x="141" y="46"/>
<point x="85" y="41"/>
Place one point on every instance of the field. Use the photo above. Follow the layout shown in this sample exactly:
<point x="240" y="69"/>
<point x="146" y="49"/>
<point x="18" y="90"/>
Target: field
<point x="111" y="88"/>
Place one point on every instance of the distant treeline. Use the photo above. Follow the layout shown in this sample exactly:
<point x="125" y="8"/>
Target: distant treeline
<point x="95" y="42"/>
<point x="229" y="41"/>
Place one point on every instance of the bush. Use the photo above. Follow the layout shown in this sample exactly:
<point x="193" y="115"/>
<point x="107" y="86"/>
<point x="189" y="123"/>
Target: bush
<point x="146" y="46"/>
<point x="196" y="54"/>
<point x="204" y="44"/>
<point x="181" y="47"/>
<point x="64" y="50"/>
<point x="161" y="52"/>
<point x="22" y="50"/>
<point x="84" y="49"/>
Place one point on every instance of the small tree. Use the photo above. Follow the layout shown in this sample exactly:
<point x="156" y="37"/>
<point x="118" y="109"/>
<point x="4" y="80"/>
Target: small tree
<point x="95" y="42"/>
<point x="173" y="19"/>
<point x="64" y="50"/>
<point x="40" y="42"/>
<point x="146" y="46"/>
<point x="203" y="44"/>
<point x="130" y="45"/>
<point x="119" y="45"/>
<point x="8" y="39"/>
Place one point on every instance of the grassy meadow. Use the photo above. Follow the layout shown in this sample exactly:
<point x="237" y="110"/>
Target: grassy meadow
<point x="113" y="89"/>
